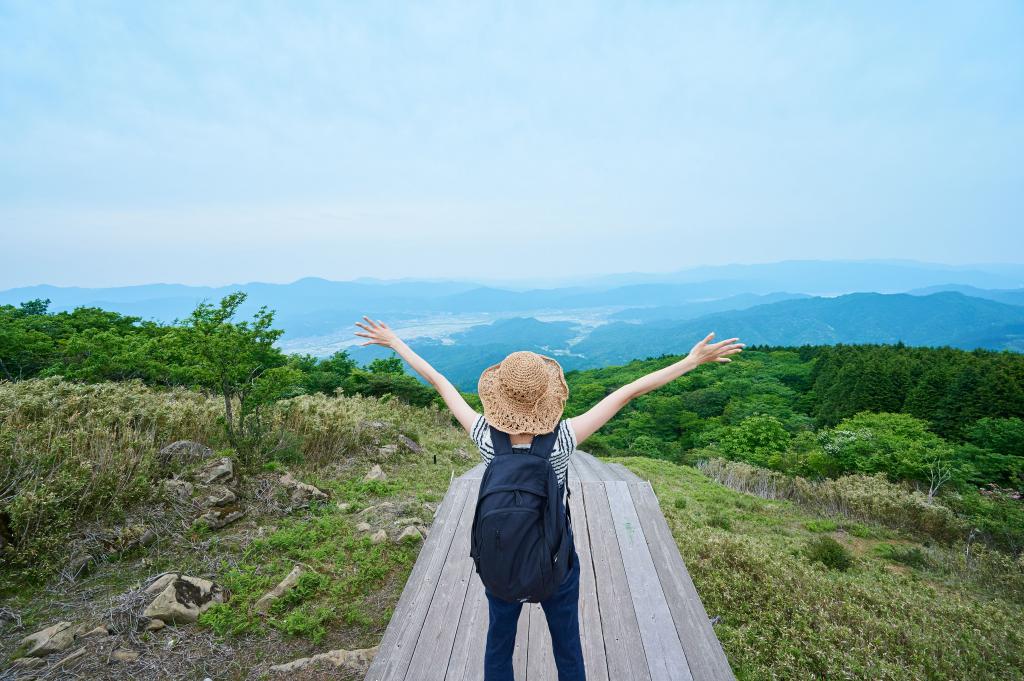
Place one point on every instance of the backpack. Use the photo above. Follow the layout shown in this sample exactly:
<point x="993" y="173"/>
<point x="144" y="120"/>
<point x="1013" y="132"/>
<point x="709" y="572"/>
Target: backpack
<point x="521" y="540"/>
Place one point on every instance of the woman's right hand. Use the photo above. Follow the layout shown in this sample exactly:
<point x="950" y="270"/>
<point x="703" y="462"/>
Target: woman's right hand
<point x="705" y="351"/>
<point x="379" y="333"/>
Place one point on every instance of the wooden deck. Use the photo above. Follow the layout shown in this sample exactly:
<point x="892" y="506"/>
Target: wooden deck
<point x="640" y="616"/>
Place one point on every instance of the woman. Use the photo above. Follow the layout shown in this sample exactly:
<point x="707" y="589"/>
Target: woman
<point x="524" y="395"/>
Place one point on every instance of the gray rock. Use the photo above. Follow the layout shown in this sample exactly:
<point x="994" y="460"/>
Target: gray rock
<point x="410" y="444"/>
<point x="161" y="582"/>
<point x="378" y="425"/>
<point x="356" y="660"/>
<point x="52" y="639"/>
<point x="218" y="495"/>
<point x="409" y="534"/>
<point x="376" y="473"/>
<point x="263" y="604"/>
<point x="177" y="489"/>
<point x="155" y="625"/>
<point x="216" y="518"/>
<point x="300" y="490"/>
<point x="183" y="453"/>
<point x="387" y="451"/>
<point x="25" y="663"/>
<point x="344" y="506"/>
<point x="379" y="537"/>
<point x="79" y="565"/>
<point x="220" y="471"/>
<point x="100" y="631"/>
<point x="409" y="521"/>
<point x="363" y="527"/>
<point x="184" y="599"/>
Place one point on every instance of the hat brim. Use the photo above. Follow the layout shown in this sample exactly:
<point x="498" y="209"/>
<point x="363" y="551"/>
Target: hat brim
<point x="513" y="417"/>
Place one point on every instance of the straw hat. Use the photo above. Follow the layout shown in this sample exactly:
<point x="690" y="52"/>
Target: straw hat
<point x="525" y="393"/>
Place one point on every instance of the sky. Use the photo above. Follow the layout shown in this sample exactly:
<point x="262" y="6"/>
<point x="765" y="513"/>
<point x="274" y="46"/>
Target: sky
<point x="211" y="143"/>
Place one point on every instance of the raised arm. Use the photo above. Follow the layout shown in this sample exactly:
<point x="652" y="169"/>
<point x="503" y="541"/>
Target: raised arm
<point x="590" y="422"/>
<point x="380" y="333"/>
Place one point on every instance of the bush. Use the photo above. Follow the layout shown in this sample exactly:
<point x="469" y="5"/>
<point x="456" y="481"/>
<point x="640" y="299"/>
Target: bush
<point x="829" y="552"/>
<point x="863" y="497"/>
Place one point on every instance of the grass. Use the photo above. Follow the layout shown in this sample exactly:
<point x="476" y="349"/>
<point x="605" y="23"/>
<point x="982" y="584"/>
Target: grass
<point x="788" y="611"/>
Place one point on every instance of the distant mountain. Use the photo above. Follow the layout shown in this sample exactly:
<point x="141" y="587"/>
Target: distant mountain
<point x="697" y="309"/>
<point x="947" y="318"/>
<point x="1014" y="296"/>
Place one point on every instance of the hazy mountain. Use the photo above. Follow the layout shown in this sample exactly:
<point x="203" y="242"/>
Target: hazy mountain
<point x="691" y="310"/>
<point x="1008" y="296"/>
<point x="947" y="318"/>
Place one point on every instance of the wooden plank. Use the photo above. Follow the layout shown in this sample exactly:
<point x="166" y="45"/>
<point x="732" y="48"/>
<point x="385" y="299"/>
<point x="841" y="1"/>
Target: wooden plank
<point x="437" y="636"/>
<point x="540" y="661"/>
<point x="467" y="660"/>
<point x="399" y="641"/>
<point x="665" y="656"/>
<point x="519" y="661"/>
<point x="590" y="469"/>
<point x="624" y="650"/>
<point x="591" y="636"/>
<point x="702" y="647"/>
<point x="623" y="473"/>
<point x="474" y="473"/>
<point x="581" y="471"/>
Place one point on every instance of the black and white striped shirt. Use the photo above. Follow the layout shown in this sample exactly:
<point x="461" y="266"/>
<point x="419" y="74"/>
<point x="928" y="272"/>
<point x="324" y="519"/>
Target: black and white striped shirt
<point x="565" y="445"/>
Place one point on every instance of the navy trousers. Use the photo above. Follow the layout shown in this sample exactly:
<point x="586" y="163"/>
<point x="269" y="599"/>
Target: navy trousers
<point x="562" y="612"/>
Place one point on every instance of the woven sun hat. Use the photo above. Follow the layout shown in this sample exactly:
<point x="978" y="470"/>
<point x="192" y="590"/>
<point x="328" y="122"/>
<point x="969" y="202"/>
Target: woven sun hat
<point x="524" y="393"/>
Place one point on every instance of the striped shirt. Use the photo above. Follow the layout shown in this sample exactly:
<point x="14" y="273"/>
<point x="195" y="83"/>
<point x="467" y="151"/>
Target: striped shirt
<point x="565" y="445"/>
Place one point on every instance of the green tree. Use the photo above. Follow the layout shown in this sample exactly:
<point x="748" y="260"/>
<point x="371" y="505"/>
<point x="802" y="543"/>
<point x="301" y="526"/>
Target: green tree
<point x="235" y="359"/>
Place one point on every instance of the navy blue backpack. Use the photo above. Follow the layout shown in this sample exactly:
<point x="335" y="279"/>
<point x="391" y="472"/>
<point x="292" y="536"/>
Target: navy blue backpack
<point x="521" y="538"/>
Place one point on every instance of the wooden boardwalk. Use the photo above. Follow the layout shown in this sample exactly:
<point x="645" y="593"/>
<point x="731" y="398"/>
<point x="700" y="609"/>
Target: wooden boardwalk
<point x="640" y="616"/>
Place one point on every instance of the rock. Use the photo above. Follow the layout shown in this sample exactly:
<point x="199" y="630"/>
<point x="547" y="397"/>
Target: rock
<point x="387" y="450"/>
<point x="161" y="582"/>
<point x="218" y="495"/>
<point x="409" y="534"/>
<point x="301" y="490"/>
<point x="79" y="565"/>
<point x="70" y="657"/>
<point x="148" y="537"/>
<point x="220" y="471"/>
<point x="344" y="506"/>
<point x="379" y="425"/>
<point x="52" y="639"/>
<point x="183" y="453"/>
<point x="409" y="521"/>
<point x="363" y="527"/>
<point x="356" y="660"/>
<point x="177" y="489"/>
<point x="155" y="625"/>
<point x="28" y="663"/>
<point x="385" y="508"/>
<point x="410" y="444"/>
<point x="461" y="453"/>
<point x="263" y="604"/>
<point x="431" y="508"/>
<point x="96" y="632"/>
<point x="217" y="518"/>
<point x="184" y="599"/>
<point x="124" y="655"/>
<point x="376" y="473"/>
<point x="379" y="537"/>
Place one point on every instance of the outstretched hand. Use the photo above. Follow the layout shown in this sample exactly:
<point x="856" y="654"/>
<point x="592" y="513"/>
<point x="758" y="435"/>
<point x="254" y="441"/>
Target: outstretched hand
<point x="706" y="351"/>
<point x="379" y="333"/>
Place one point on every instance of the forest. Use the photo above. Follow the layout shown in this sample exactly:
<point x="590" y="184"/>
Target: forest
<point x="946" y="422"/>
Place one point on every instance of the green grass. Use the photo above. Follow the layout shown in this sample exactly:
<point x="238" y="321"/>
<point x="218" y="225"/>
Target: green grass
<point x="787" y="615"/>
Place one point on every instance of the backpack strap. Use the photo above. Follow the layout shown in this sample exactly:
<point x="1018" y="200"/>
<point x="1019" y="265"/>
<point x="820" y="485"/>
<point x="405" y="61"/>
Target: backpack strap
<point x="542" y="445"/>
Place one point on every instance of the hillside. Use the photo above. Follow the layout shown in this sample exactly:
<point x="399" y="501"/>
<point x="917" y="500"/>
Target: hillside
<point x="946" y="318"/>
<point x="130" y="509"/>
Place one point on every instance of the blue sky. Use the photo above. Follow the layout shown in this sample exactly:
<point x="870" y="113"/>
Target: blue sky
<point x="220" y="142"/>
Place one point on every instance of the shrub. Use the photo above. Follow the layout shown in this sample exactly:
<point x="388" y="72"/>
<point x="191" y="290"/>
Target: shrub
<point x="829" y="552"/>
<point x="863" y="497"/>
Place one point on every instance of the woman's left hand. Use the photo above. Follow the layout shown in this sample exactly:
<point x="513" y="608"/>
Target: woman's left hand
<point x="379" y="333"/>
